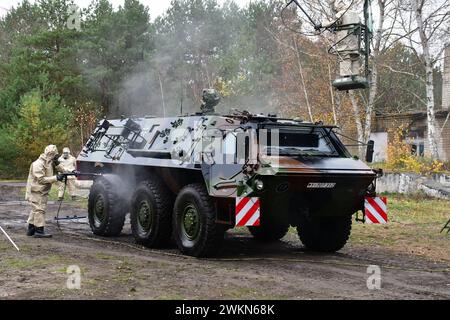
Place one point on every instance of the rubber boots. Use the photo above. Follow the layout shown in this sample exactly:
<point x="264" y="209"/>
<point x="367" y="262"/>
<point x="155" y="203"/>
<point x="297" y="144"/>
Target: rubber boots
<point x="40" y="233"/>
<point x="31" y="230"/>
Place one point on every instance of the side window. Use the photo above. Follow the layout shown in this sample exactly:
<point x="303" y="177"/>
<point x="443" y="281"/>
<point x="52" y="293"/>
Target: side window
<point x="230" y="143"/>
<point x="230" y="148"/>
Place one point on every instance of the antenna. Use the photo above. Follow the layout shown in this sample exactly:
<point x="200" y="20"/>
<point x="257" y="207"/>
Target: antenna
<point x="162" y="94"/>
<point x="181" y="105"/>
<point x="181" y="98"/>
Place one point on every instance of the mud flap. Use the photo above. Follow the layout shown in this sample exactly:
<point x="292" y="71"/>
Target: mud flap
<point x="375" y="210"/>
<point x="248" y="211"/>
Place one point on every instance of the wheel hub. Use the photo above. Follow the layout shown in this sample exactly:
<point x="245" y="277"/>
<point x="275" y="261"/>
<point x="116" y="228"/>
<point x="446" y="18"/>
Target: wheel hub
<point x="144" y="216"/>
<point x="99" y="210"/>
<point x="191" y="222"/>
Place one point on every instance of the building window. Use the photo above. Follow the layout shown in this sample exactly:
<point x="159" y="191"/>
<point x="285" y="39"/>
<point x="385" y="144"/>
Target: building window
<point x="418" y="149"/>
<point x="416" y="141"/>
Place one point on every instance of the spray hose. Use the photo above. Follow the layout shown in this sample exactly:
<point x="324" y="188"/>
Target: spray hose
<point x="59" y="207"/>
<point x="65" y="176"/>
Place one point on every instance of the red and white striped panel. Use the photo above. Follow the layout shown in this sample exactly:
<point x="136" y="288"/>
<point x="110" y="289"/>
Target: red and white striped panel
<point x="247" y="211"/>
<point x="375" y="209"/>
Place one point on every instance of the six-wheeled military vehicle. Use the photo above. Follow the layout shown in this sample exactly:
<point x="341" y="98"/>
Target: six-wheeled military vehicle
<point x="190" y="178"/>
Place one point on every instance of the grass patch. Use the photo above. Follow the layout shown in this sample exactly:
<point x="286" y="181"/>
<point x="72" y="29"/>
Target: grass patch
<point x="53" y="195"/>
<point x="61" y="270"/>
<point x="414" y="227"/>
<point x="4" y="245"/>
<point x="14" y="263"/>
<point x="103" y="256"/>
<point x="28" y="263"/>
<point x="79" y="202"/>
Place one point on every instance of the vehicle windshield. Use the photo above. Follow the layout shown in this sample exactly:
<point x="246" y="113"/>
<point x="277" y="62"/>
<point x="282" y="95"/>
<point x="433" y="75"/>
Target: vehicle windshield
<point x="300" y="141"/>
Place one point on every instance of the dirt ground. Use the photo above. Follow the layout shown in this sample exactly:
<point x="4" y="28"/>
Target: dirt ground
<point x="116" y="268"/>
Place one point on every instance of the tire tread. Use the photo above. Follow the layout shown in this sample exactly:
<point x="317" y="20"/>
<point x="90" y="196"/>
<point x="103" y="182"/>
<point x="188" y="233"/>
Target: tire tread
<point x="164" y="202"/>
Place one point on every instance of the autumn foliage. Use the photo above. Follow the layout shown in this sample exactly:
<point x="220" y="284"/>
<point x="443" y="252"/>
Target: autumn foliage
<point x="400" y="157"/>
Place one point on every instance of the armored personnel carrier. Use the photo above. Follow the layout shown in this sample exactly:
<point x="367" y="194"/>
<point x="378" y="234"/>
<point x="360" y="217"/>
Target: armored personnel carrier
<point x="190" y="178"/>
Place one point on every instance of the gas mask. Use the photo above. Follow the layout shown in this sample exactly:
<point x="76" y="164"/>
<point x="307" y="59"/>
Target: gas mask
<point x="66" y="153"/>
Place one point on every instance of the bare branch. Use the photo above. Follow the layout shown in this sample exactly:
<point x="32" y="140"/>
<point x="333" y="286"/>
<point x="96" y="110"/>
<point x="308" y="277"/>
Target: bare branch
<point x="284" y="44"/>
<point x="437" y="25"/>
<point x="440" y="56"/>
<point x="416" y="76"/>
<point x="445" y="122"/>
<point x="415" y="95"/>
<point x="300" y="69"/>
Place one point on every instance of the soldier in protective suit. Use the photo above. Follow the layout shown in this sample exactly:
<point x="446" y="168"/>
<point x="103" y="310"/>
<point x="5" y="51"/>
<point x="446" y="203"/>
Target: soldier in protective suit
<point x="67" y="164"/>
<point x="40" y="179"/>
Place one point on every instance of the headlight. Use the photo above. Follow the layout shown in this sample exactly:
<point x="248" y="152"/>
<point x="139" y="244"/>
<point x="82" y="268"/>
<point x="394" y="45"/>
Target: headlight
<point x="259" y="185"/>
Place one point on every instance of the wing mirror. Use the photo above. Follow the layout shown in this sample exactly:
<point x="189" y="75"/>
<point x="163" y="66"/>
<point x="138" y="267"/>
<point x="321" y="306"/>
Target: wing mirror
<point x="370" y="150"/>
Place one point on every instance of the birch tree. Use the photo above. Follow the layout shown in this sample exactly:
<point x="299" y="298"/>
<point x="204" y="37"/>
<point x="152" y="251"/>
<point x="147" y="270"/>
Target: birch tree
<point x="426" y="26"/>
<point x="363" y="103"/>
<point x="383" y="39"/>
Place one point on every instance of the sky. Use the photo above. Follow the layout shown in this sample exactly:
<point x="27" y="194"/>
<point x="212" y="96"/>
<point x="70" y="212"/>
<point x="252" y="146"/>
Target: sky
<point x="157" y="7"/>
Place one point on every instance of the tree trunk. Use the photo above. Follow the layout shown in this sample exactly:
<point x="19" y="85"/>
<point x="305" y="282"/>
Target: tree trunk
<point x="433" y="135"/>
<point x="333" y="105"/>
<point x="370" y="104"/>
<point x="432" y="130"/>
<point x="373" y="90"/>
<point x="359" y="127"/>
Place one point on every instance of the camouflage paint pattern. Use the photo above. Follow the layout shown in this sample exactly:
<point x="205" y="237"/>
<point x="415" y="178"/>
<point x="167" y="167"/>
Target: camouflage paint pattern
<point x="227" y="151"/>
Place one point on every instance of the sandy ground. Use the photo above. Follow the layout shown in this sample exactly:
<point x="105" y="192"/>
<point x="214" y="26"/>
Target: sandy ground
<point x="116" y="268"/>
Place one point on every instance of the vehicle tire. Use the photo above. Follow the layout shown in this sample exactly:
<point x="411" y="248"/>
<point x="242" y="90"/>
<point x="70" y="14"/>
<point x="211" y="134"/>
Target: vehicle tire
<point x="269" y="231"/>
<point x="151" y="213"/>
<point x="194" y="222"/>
<point x="325" y="234"/>
<point x="107" y="207"/>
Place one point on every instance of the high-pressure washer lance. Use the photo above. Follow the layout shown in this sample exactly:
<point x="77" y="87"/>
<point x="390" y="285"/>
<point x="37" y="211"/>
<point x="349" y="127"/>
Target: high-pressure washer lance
<point x="77" y="174"/>
<point x="64" y="179"/>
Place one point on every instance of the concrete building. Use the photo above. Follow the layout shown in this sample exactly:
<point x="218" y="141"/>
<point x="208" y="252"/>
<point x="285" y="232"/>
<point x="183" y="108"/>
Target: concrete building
<point x="446" y="80"/>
